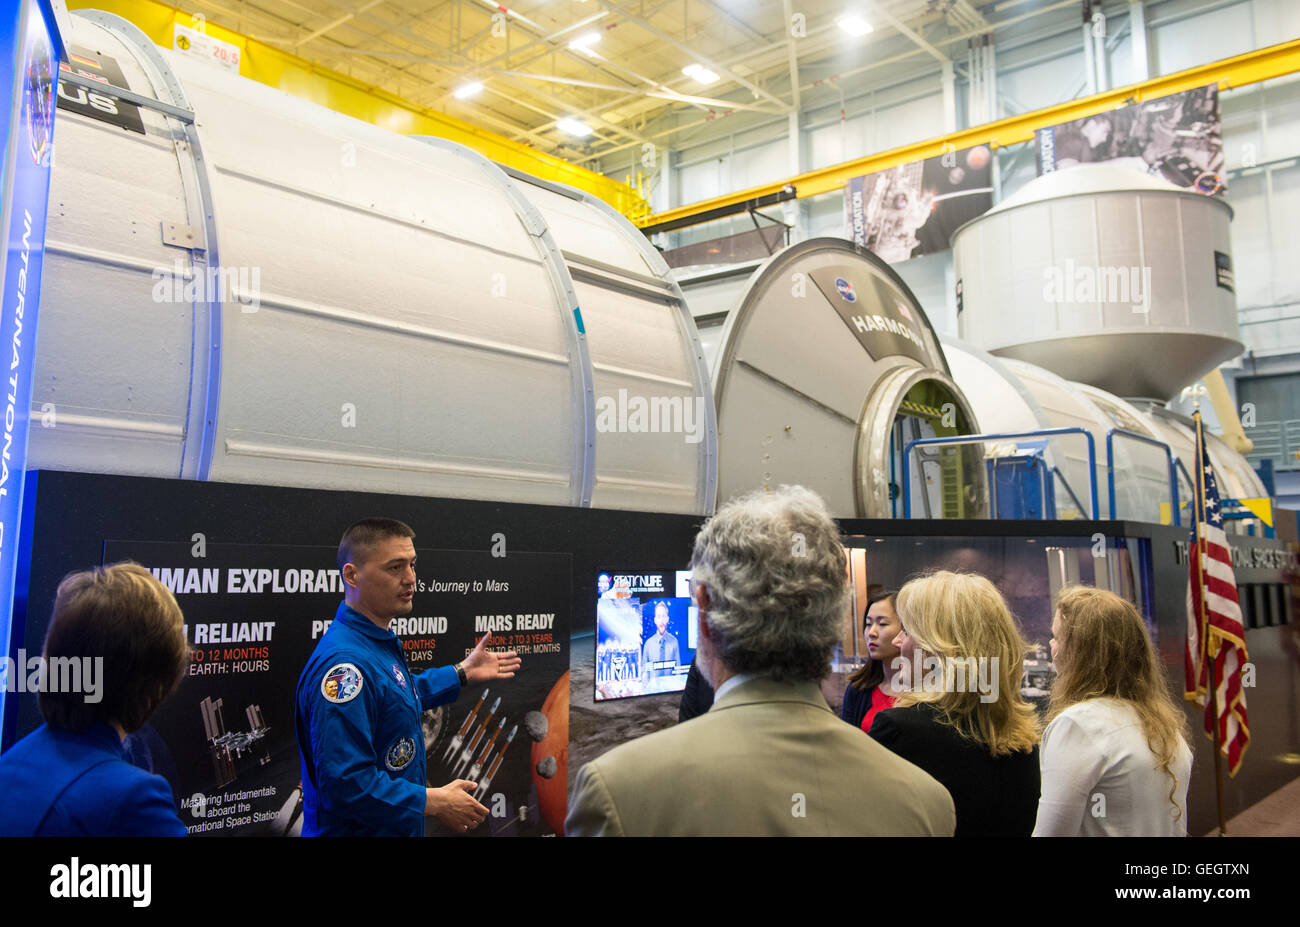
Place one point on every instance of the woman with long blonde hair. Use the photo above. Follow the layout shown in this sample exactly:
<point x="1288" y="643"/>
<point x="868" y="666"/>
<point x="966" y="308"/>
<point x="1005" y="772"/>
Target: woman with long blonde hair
<point x="1115" y="759"/>
<point x="959" y="715"/>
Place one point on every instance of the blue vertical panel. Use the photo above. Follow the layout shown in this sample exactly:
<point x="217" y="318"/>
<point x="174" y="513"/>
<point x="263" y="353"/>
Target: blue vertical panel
<point x="30" y="50"/>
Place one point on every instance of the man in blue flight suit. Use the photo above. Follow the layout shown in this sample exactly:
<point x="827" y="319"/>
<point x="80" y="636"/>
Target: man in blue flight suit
<point x="358" y="705"/>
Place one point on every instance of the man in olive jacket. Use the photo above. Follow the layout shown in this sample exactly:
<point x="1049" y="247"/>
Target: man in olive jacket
<point x="769" y="758"/>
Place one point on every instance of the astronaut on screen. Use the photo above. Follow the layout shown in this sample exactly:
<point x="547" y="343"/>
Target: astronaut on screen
<point x="660" y="655"/>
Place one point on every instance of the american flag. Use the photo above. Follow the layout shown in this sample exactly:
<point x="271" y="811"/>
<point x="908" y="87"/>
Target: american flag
<point x="1219" y="630"/>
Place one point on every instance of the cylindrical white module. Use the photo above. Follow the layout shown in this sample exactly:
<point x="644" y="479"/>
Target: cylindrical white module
<point x="825" y="368"/>
<point x="1102" y="275"/>
<point x="243" y="286"/>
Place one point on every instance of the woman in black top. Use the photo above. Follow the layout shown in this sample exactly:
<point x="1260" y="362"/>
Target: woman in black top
<point x="864" y="696"/>
<point x="960" y="715"/>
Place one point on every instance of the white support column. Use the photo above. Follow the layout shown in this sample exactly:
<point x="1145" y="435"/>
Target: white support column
<point x="663" y="195"/>
<point x="1089" y="66"/>
<point x="949" y="98"/>
<point x="990" y="78"/>
<point x="1137" y="36"/>
<point x="1099" y="30"/>
<point x="792" y="209"/>
<point x="975" y="99"/>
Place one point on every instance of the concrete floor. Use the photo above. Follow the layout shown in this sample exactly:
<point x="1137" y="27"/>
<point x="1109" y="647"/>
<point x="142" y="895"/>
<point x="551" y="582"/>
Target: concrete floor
<point x="1277" y="815"/>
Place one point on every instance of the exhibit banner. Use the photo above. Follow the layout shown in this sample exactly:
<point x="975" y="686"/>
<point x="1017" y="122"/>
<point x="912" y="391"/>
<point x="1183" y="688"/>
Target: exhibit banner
<point x="913" y="209"/>
<point x="1178" y="137"/>
<point x="225" y="739"/>
<point x="30" y="48"/>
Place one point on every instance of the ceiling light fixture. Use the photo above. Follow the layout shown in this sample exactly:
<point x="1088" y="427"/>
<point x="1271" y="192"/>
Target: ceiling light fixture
<point x="584" y="42"/>
<point x="574" y="127"/>
<point x="465" y="91"/>
<point x="854" y="25"/>
<point x="700" y="73"/>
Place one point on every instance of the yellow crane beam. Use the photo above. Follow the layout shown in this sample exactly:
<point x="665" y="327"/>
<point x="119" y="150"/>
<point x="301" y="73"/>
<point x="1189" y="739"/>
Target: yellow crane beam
<point x="269" y="65"/>
<point x="1238" y="71"/>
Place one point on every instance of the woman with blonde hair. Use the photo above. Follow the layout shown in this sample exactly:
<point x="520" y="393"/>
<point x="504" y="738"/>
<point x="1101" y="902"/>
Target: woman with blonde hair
<point x="1115" y="755"/>
<point x="959" y="715"/>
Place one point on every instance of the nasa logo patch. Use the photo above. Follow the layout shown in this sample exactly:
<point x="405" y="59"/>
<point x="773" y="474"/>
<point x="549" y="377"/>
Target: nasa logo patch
<point x="845" y="289"/>
<point x="401" y="677"/>
<point x="400" y="754"/>
<point x="342" y="683"/>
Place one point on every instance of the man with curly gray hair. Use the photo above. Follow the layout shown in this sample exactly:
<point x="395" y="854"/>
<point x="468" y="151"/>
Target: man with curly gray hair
<point x="769" y="580"/>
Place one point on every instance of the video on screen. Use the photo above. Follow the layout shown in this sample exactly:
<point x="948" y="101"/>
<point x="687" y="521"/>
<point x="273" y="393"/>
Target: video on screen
<point x="645" y="632"/>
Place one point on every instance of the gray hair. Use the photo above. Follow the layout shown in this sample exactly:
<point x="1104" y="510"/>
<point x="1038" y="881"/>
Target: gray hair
<point x="776" y="577"/>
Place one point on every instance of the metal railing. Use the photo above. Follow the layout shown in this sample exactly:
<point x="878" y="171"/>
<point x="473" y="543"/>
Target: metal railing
<point x="1110" y="467"/>
<point x="1278" y="440"/>
<point x="979" y="439"/>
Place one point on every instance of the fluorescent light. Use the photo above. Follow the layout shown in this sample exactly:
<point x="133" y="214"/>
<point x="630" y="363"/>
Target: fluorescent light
<point x="700" y="73"/>
<point x="584" y="42"/>
<point x="854" y="25"/>
<point x="573" y="127"/>
<point x="465" y="91"/>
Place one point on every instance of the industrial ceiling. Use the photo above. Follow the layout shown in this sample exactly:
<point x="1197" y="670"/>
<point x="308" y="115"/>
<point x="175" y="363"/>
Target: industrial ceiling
<point x="616" y="69"/>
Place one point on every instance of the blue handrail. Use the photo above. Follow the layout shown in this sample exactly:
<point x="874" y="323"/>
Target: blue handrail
<point x="1145" y="439"/>
<point x="977" y="439"/>
<point x="1187" y="476"/>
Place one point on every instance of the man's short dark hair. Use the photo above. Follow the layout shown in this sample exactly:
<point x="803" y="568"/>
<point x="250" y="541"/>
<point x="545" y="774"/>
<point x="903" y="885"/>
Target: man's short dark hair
<point x="362" y="537"/>
<point x="123" y="615"/>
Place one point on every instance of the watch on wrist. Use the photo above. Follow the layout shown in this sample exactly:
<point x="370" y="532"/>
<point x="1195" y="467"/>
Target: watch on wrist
<point x="460" y="672"/>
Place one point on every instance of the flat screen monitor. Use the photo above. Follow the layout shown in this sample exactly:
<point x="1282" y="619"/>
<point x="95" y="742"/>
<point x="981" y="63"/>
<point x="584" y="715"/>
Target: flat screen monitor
<point x="645" y="632"/>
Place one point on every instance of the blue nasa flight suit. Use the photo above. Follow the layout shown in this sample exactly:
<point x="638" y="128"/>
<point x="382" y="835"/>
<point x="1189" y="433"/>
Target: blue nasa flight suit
<point x="58" y="783"/>
<point x="357" y="720"/>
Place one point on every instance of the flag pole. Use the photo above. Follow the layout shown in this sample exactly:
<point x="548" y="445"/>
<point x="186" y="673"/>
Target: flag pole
<point x="1201" y="456"/>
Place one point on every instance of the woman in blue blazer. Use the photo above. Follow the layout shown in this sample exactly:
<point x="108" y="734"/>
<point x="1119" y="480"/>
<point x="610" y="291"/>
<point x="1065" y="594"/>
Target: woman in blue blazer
<point x="118" y="634"/>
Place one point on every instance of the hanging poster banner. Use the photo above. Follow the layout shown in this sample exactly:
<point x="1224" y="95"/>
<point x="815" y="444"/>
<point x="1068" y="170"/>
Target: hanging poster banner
<point x="913" y="209"/>
<point x="1178" y="137"/>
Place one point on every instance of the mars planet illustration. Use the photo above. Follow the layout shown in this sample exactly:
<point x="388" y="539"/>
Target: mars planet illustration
<point x="551" y="792"/>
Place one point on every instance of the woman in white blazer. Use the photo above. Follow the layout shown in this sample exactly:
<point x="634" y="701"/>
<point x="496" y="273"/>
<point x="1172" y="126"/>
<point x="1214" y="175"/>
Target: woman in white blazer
<point x="1115" y="759"/>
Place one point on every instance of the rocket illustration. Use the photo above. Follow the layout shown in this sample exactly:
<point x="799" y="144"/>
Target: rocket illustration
<point x="460" y="735"/>
<point x="496" y="764"/>
<point x="483" y="754"/>
<point x="467" y="754"/>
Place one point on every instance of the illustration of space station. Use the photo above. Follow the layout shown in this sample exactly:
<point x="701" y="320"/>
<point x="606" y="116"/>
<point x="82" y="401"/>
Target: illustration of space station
<point x="227" y="746"/>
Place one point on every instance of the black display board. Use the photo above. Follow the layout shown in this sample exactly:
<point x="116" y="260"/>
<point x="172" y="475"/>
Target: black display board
<point x="253" y="568"/>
